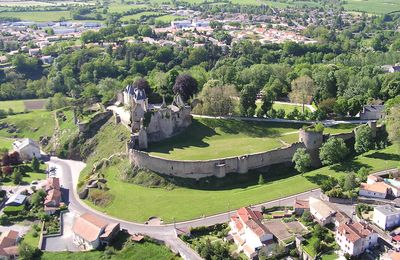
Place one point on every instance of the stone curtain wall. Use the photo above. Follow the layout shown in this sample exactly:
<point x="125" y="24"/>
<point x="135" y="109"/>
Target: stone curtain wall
<point x="215" y="167"/>
<point x="312" y="141"/>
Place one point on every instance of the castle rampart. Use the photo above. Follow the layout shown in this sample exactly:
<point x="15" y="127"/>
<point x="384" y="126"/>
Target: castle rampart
<point x="196" y="169"/>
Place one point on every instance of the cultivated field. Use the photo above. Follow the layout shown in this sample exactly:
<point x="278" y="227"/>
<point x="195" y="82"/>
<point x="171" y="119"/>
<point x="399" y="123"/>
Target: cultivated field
<point x="21" y="105"/>
<point x="373" y="6"/>
<point x="38" y="16"/>
<point x="188" y="203"/>
<point x="212" y="138"/>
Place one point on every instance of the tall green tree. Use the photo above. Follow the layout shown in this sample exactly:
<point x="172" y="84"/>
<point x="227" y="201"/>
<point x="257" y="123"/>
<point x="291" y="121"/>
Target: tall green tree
<point x="364" y="139"/>
<point x="333" y="151"/>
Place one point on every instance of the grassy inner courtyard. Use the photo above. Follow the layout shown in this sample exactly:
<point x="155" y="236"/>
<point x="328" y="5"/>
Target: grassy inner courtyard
<point x="211" y="138"/>
<point x="137" y="203"/>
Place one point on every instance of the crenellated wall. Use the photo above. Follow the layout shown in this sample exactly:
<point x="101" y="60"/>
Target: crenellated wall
<point x="216" y="167"/>
<point x="309" y="140"/>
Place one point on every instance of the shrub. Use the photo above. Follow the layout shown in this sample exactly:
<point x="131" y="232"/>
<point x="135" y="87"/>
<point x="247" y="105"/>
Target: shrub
<point x="333" y="151"/>
<point x="99" y="197"/>
<point x="302" y="160"/>
<point x="13" y="210"/>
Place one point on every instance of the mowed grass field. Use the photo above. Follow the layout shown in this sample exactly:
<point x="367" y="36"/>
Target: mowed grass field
<point x="30" y="125"/>
<point x="138" y="16"/>
<point x="373" y="6"/>
<point x="38" y="16"/>
<point x="21" y="105"/>
<point x="213" y="138"/>
<point x="288" y="107"/>
<point x="137" y="203"/>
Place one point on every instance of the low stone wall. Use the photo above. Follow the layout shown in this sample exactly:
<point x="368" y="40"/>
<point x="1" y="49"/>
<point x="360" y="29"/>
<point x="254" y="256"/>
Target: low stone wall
<point x="215" y="167"/>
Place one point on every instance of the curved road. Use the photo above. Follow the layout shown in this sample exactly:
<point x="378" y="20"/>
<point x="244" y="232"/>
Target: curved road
<point x="69" y="176"/>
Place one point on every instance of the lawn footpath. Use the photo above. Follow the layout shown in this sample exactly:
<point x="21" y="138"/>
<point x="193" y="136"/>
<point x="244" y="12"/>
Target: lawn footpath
<point x="184" y="203"/>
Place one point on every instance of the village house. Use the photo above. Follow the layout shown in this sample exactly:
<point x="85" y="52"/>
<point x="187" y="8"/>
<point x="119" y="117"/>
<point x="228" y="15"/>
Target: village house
<point x="386" y="217"/>
<point x="53" y="199"/>
<point x="90" y="232"/>
<point x="16" y="200"/>
<point x="372" y="112"/>
<point x="8" y="245"/>
<point x="374" y="190"/>
<point x="321" y="211"/>
<point x="355" y="237"/>
<point x="248" y="232"/>
<point x="300" y="206"/>
<point x="27" y="149"/>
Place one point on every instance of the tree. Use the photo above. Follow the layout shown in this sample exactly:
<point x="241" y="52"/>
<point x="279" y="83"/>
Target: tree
<point x="302" y="89"/>
<point x="216" y="99"/>
<point x="393" y="124"/>
<point x="261" y="179"/>
<point x="248" y="97"/>
<point x="350" y="182"/>
<point x="35" y="165"/>
<point x="364" y="139"/>
<point x="333" y="151"/>
<point x="302" y="160"/>
<point x="26" y="251"/>
<point x="185" y="85"/>
<point x="17" y="176"/>
<point x="267" y="102"/>
<point x="306" y="216"/>
<point x="38" y="197"/>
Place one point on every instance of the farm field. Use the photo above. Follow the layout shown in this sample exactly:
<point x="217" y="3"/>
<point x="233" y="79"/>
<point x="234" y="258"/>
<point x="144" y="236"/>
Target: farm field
<point x="213" y="138"/>
<point x="42" y="3"/>
<point x="38" y="16"/>
<point x="30" y="125"/>
<point x="21" y="105"/>
<point x="183" y="203"/>
<point x="138" y="16"/>
<point x="117" y="7"/>
<point x="169" y="18"/>
<point x="372" y="6"/>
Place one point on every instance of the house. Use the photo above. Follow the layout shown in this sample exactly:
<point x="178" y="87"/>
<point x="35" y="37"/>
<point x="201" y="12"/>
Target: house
<point x="8" y="244"/>
<point x="374" y="190"/>
<point x="27" y="149"/>
<point x="391" y="255"/>
<point x="321" y="211"/>
<point x="355" y="237"/>
<point x="16" y="200"/>
<point x="90" y="232"/>
<point x="386" y="217"/>
<point x="300" y="206"/>
<point x="47" y="59"/>
<point x="53" y="199"/>
<point x="34" y="52"/>
<point x="390" y="68"/>
<point x="248" y="232"/>
<point x="372" y="112"/>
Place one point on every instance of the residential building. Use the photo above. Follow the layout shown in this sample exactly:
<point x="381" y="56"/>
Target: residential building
<point x="354" y="238"/>
<point x="27" y="149"/>
<point x="8" y="245"/>
<point x="300" y="206"/>
<point x="391" y="255"/>
<point x="372" y="112"/>
<point x="90" y="232"/>
<point x="16" y="200"/>
<point x="386" y="217"/>
<point x="375" y="190"/>
<point x="248" y="232"/>
<point x="321" y="211"/>
<point x="53" y="199"/>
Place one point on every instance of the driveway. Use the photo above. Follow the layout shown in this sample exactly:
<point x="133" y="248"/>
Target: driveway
<point x="63" y="242"/>
<point x="21" y="228"/>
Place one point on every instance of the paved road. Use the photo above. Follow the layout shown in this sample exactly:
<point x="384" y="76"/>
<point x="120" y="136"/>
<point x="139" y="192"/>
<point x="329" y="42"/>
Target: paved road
<point x="70" y="171"/>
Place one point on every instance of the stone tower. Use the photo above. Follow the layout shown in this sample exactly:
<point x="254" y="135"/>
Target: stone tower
<point x="312" y="141"/>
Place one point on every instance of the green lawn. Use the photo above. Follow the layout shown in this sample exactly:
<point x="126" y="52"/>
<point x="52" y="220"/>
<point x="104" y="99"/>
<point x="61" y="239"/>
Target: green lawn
<point x="136" y="251"/>
<point x="28" y="176"/>
<point x="117" y="7"/>
<point x="5" y="143"/>
<point x="30" y="239"/>
<point x="330" y="256"/>
<point x="340" y="128"/>
<point x="137" y="203"/>
<point x="214" y="138"/>
<point x="38" y="16"/>
<point x="21" y="105"/>
<point x="288" y="108"/>
<point x="30" y="125"/>
<point x="169" y="18"/>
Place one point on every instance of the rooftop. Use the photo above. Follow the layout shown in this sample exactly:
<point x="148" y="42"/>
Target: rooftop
<point x="387" y="210"/>
<point x="16" y="199"/>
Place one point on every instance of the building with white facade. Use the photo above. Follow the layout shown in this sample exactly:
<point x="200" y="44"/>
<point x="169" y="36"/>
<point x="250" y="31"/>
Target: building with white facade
<point x="375" y="190"/>
<point x="354" y="238"/>
<point x="27" y="149"/>
<point x="248" y="232"/>
<point x="386" y="217"/>
<point x="321" y="211"/>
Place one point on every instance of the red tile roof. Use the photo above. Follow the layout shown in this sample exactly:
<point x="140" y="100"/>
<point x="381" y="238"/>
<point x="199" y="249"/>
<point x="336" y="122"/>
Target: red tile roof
<point x="355" y="231"/>
<point x="89" y="227"/>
